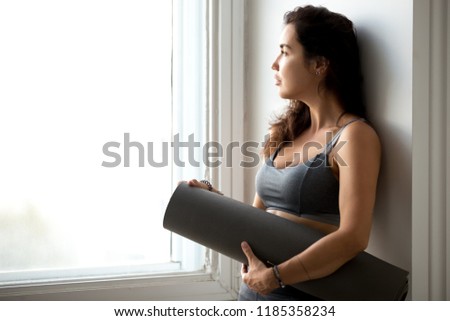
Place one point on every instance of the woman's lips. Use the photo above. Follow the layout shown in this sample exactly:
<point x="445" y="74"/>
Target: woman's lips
<point x="277" y="80"/>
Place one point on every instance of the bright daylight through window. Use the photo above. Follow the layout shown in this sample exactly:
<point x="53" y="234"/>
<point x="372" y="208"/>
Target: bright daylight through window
<point x="76" y="76"/>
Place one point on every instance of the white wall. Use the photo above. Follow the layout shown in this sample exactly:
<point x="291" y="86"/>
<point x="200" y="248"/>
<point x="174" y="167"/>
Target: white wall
<point x="385" y="34"/>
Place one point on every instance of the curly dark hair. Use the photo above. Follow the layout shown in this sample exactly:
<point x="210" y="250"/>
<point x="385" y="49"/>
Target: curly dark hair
<point x="330" y="35"/>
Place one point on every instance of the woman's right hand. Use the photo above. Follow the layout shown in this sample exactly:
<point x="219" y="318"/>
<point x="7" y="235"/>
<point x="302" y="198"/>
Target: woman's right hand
<point x="196" y="183"/>
<point x="200" y="184"/>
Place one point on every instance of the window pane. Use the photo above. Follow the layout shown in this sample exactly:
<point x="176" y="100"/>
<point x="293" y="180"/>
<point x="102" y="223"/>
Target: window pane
<point x="77" y="78"/>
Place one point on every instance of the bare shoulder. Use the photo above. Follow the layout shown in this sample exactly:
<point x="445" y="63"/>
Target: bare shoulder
<point x="361" y="134"/>
<point x="360" y="144"/>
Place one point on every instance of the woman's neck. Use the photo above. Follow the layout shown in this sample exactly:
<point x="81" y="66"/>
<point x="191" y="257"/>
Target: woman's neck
<point x="325" y="113"/>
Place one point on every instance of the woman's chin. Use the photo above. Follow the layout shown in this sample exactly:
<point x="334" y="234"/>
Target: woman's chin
<point x="284" y="95"/>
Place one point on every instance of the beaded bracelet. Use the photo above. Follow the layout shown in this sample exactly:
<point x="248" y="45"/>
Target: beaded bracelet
<point x="276" y="272"/>
<point x="207" y="183"/>
<point x="210" y="187"/>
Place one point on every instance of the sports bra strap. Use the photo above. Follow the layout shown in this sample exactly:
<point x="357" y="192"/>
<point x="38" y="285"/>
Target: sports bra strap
<point x="329" y="145"/>
<point x="334" y="140"/>
<point x="272" y="157"/>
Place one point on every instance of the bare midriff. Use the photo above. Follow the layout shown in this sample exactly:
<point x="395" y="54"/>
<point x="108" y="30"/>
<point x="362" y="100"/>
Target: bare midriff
<point x="323" y="227"/>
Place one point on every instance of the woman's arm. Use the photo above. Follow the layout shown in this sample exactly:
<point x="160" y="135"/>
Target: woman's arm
<point x="357" y="180"/>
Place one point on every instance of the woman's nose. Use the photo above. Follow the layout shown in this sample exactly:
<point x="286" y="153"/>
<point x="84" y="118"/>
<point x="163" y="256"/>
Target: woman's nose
<point x="275" y="65"/>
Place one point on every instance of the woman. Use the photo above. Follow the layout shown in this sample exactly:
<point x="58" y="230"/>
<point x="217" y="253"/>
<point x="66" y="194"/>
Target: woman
<point x="322" y="158"/>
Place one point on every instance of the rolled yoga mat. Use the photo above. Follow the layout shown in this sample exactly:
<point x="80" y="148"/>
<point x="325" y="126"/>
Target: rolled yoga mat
<point x="221" y="223"/>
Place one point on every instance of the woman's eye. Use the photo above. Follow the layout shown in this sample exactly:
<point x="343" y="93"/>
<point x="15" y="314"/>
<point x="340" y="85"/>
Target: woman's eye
<point x="283" y="53"/>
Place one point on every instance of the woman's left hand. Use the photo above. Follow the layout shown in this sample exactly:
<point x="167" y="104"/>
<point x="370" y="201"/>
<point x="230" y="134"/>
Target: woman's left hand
<point x="256" y="275"/>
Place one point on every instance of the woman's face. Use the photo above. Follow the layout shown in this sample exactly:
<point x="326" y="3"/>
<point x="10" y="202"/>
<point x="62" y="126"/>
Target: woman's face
<point x="295" y="76"/>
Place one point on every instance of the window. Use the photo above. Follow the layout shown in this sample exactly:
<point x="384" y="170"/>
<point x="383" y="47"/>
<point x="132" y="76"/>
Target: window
<point x="88" y="117"/>
<point x="83" y="84"/>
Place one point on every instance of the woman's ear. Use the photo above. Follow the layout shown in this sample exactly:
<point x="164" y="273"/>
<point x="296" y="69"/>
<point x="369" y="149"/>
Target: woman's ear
<point x="321" y="65"/>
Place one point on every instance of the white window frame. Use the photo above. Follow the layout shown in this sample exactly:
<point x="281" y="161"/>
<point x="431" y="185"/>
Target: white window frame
<point x="221" y="278"/>
<point x="430" y="275"/>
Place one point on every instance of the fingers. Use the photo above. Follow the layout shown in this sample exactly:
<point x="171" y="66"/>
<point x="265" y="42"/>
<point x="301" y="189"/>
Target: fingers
<point x="192" y="182"/>
<point x="248" y="252"/>
<point x="196" y="183"/>
<point x="256" y="275"/>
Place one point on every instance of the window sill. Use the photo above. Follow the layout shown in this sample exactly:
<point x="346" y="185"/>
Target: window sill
<point x="208" y="285"/>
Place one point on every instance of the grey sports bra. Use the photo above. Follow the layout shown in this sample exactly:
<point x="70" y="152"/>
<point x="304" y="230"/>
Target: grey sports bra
<point x="307" y="189"/>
